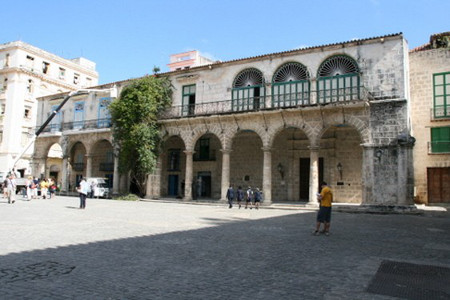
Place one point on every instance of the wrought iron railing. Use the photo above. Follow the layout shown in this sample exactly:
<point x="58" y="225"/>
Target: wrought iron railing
<point x="106" y="167"/>
<point x="78" y="166"/>
<point x="268" y="102"/>
<point x="79" y="125"/>
<point x="250" y="104"/>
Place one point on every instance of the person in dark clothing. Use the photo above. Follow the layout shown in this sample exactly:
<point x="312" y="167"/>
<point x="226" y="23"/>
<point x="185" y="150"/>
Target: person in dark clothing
<point x="239" y="195"/>
<point x="257" y="198"/>
<point x="230" y="196"/>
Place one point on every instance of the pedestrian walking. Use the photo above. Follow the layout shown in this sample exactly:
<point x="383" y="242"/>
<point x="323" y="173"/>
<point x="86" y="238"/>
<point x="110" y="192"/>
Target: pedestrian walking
<point x="83" y="190"/>
<point x="249" y="197"/>
<point x="257" y="197"/>
<point x="11" y="188"/>
<point x="230" y="196"/>
<point x="29" y="185"/>
<point x="239" y="195"/>
<point x="324" y="215"/>
<point x="5" y="188"/>
<point x="44" y="188"/>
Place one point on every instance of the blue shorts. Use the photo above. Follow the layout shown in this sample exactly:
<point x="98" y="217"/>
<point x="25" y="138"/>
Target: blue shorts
<point x="324" y="214"/>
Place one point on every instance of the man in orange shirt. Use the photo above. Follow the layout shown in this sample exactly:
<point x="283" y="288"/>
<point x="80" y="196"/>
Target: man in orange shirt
<point x="324" y="215"/>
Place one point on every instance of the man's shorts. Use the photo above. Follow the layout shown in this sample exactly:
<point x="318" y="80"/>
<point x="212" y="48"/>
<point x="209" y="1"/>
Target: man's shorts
<point x="324" y="214"/>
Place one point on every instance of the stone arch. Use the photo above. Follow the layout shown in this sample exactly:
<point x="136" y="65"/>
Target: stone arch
<point x="172" y="165"/>
<point x="102" y="157"/>
<point x="305" y="127"/>
<point x="337" y="120"/>
<point x="247" y="159"/>
<point x="339" y="147"/>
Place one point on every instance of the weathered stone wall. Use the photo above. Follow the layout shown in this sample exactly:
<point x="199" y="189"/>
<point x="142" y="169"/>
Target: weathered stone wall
<point x="423" y="64"/>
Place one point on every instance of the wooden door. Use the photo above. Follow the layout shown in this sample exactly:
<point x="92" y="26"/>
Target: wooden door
<point x="438" y="185"/>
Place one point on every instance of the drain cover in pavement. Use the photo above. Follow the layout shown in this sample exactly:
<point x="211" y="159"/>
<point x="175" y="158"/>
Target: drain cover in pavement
<point x="411" y="281"/>
<point x="34" y="271"/>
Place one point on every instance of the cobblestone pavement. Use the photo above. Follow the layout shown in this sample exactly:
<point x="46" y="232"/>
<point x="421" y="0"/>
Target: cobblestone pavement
<point x="50" y="249"/>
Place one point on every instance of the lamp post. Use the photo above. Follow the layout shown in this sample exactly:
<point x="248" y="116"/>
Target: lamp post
<point x="339" y="168"/>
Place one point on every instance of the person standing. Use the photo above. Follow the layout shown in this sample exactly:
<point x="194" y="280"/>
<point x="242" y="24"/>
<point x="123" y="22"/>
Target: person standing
<point x="239" y="195"/>
<point x="11" y="188"/>
<point x="44" y="188"/>
<point x="5" y="188"/>
<point x="257" y="198"/>
<point x="324" y="215"/>
<point x="83" y="190"/>
<point x="249" y="197"/>
<point x="29" y="185"/>
<point x="230" y="196"/>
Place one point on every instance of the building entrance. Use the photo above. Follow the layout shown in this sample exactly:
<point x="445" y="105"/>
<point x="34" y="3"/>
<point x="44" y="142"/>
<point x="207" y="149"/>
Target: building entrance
<point x="304" y="176"/>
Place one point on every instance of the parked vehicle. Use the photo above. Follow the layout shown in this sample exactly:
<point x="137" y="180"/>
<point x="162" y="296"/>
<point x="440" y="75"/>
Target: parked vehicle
<point x="99" y="187"/>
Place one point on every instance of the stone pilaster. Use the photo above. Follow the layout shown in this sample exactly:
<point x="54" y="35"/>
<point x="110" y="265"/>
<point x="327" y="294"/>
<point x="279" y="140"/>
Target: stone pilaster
<point x="313" y="176"/>
<point x="65" y="175"/>
<point x="267" y="176"/>
<point x="88" y="165"/>
<point x="189" y="175"/>
<point x="225" y="173"/>
<point x="116" y="176"/>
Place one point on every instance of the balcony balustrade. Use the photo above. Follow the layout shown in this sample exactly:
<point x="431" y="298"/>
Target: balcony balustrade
<point x="106" y="167"/>
<point x="78" y="166"/>
<point x="341" y="95"/>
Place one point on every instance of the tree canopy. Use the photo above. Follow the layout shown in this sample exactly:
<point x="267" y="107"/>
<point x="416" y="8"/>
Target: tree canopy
<point x="136" y="132"/>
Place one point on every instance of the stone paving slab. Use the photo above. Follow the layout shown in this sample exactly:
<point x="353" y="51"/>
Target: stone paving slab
<point x="50" y="249"/>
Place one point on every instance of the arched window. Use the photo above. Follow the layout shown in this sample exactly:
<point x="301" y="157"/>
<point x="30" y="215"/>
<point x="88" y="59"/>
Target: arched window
<point x="248" y="90"/>
<point x="290" y="85"/>
<point x="338" y="80"/>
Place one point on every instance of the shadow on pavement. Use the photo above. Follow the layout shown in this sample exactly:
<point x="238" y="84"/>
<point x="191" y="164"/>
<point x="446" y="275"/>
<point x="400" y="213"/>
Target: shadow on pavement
<point x="259" y="259"/>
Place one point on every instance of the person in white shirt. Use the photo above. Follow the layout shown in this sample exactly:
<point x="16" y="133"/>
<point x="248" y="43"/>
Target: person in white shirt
<point x="11" y="188"/>
<point x="83" y="190"/>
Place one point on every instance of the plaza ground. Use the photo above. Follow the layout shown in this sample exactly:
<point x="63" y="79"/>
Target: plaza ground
<point x="50" y="249"/>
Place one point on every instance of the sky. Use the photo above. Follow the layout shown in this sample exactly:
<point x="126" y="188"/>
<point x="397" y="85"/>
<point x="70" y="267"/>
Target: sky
<point x="128" y="38"/>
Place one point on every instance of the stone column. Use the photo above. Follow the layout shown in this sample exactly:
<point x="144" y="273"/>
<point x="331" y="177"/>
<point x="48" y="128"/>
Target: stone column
<point x="225" y="173"/>
<point x="267" y="176"/>
<point x="116" y="176"/>
<point x="314" y="176"/>
<point x="189" y="175"/>
<point x="88" y="165"/>
<point x="64" y="178"/>
<point x="43" y="166"/>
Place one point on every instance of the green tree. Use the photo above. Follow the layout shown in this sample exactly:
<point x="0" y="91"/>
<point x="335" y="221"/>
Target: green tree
<point x="135" y="129"/>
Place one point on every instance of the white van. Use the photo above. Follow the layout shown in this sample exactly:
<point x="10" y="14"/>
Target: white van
<point x="99" y="187"/>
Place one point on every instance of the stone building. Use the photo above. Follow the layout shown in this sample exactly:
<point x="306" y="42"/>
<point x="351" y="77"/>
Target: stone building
<point x="430" y="103"/>
<point x="27" y="72"/>
<point x="280" y="122"/>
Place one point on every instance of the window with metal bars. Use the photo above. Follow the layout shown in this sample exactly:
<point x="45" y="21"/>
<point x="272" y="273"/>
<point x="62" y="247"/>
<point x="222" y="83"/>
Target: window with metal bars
<point x="248" y="91"/>
<point x="290" y="85"/>
<point x="338" y="80"/>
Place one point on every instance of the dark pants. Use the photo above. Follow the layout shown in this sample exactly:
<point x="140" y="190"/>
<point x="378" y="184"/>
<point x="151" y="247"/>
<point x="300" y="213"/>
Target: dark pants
<point x="82" y="200"/>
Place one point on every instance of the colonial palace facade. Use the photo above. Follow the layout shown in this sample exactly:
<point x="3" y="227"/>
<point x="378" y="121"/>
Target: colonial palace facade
<point x="281" y="122"/>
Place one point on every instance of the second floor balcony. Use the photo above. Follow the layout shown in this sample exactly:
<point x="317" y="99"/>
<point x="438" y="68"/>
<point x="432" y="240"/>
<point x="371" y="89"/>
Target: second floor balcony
<point x="286" y="100"/>
<point x="78" y="125"/>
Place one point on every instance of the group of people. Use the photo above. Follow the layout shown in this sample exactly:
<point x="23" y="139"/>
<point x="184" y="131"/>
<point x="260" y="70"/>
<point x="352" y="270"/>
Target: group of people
<point x="47" y="186"/>
<point x="30" y="191"/>
<point x="254" y="197"/>
<point x="251" y="197"/>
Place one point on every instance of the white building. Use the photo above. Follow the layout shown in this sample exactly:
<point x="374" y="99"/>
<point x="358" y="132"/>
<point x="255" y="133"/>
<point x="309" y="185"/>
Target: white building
<point x="27" y="72"/>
